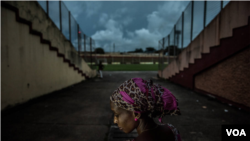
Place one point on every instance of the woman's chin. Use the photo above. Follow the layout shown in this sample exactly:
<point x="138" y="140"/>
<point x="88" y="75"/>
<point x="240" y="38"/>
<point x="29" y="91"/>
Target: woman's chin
<point x="127" y="131"/>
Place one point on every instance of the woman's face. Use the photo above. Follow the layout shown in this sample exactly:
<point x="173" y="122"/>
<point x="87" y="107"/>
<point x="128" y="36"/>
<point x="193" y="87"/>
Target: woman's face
<point x="123" y="118"/>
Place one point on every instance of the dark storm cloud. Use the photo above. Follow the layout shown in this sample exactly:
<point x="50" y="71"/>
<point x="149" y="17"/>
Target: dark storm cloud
<point x="128" y="24"/>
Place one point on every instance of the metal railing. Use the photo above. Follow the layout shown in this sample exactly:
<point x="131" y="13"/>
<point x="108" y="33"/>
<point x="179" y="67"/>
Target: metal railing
<point x="196" y="16"/>
<point x="66" y="23"/>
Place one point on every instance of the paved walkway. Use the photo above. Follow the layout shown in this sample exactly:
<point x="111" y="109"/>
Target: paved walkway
<point x="82" y="113"/>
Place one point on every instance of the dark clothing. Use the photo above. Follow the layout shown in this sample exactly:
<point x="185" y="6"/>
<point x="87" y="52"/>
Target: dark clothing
<point x="100" y="66"/>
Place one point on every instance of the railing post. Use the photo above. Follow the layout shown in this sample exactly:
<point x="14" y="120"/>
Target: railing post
<point x="168" y="48"/>
<point x="205" y="14"/>
<point x="84" y="42"/>
<point x="159" y="57"/>
<point x="78" y="39"/>
<point x="192" y="16"/>
<point x="60" y="14"/>
<point x="69" y="27"/>
<point x="91" y="52"/>
<point x="163" y="46"/>
<point x="182" y="29"/>
<point x="47" y="6"/>
<point x="221" y="5"/>
<point x="174" y="40"/>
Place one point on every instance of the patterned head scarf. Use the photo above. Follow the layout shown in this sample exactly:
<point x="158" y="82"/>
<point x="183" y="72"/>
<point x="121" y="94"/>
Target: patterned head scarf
<point x="142" y="96"/>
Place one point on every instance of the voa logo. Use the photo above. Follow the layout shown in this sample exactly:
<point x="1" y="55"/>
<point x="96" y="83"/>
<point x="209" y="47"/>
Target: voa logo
<point x="236" y="132"/>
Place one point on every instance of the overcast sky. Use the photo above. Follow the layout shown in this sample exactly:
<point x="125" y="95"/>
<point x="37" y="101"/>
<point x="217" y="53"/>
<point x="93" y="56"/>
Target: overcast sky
<point x="128" y="24"/>
<point x="131" y="24"/>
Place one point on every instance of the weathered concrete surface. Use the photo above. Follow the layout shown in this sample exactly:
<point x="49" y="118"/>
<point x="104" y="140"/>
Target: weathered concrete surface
<point x="220" y="27"/>
<point x="29" y="66"/>
<point x="82" y="112"/>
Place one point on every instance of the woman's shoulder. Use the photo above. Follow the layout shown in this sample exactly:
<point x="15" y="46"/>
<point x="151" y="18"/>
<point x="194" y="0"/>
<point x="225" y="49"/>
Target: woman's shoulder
<point x="162" y="133"/>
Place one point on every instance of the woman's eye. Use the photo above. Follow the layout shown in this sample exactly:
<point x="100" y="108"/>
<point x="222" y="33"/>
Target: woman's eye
<point x="116" y="115"/>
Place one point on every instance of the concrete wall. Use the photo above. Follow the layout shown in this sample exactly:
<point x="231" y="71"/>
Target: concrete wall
<point x="32" y="12"/>
<point x="228" y="79"/>
<point x="234" y="15"/>
<point x="30" y="68"/>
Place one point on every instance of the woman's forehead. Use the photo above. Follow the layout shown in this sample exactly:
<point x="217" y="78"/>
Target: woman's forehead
<point x="116" y="108"/>
<point x="113" y="107"/>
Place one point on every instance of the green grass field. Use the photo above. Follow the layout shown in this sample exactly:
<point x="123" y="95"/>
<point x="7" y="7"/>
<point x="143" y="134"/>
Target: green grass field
<point x="130" y="67"/>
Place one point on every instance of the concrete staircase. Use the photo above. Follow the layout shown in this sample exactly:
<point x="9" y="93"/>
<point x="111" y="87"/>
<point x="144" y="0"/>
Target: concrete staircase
<point x="228" y="47"/>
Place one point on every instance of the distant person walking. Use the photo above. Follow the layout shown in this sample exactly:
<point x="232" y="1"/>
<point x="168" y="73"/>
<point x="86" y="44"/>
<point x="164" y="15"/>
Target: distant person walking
<point x="100" y="68"/>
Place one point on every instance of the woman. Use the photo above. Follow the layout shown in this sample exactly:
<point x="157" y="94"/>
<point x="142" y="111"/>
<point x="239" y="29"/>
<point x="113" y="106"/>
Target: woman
<point x="100" y="68"/>
<point x="136" y="102"/>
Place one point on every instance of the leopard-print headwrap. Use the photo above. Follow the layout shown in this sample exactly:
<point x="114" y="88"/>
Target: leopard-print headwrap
<point x="142" y="96"/>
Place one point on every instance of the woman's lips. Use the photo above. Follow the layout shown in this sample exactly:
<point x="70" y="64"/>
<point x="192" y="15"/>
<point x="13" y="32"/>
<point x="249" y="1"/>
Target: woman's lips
<point x="120" y="128"/>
